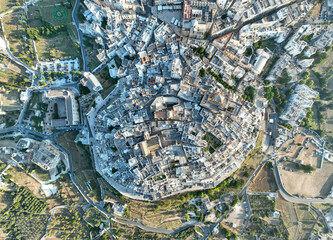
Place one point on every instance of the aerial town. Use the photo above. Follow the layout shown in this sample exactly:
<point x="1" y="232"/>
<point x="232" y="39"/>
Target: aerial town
<point x="166" y="119"/>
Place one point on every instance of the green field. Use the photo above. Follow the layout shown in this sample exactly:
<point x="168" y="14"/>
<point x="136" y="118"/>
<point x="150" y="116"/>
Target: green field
<point x="20" y="47"/>
<point x="40" y="19"/>
<point x="324" y="71"/>
<point x="10" y="100"/>
<point x="55" y="12"/>
<point x="60" y="47"/>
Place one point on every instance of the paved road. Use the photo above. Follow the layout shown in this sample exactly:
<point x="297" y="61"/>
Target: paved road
<point x="12" y="57"/>
<point x="80" y="35"/>
<point x="50" y="218"/>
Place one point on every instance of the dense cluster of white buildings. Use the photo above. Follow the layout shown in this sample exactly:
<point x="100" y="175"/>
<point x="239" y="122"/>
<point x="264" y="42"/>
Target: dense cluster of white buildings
<point x="180" y="122"/>
<point x="173" y="130"/>
<point x="299" y="102"/>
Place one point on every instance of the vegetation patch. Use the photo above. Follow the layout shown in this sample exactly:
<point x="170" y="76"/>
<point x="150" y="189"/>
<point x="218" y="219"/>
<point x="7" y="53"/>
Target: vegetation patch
<point x="25" y="218"/>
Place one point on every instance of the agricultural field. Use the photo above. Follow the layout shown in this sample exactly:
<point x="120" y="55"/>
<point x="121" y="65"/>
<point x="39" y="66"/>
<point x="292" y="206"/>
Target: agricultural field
<point x="25" y="218"/>
<point x="315" y="184"/>
<point x="93" y="217"/>
<point x="262" y="224"/>
<point x="261" y="205"/>
<point x="261" y="228"/>
<point x="6" y="200"/>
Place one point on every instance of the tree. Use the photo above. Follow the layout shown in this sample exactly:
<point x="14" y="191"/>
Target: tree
<point x="248" y="52"/>
<point x="249" y="94"/>
<point x="330" y="106"/>
<point x="268" y="93"/>
<point x="206" y="35"/>
<point x="310" y="83"/>
<point x="285" y="78"/>
<point x="234" y="201"/>
<point x="269" y="165"/>
<point x="202" y="72"/>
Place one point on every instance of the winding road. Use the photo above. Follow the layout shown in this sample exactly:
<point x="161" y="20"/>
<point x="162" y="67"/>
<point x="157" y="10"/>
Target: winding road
<point x="80" y="35"/>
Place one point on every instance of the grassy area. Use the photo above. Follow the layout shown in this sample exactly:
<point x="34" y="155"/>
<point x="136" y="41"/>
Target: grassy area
<point x="91" y="47"/>
<point x="88" y="181"/>
<point x="80" y="153"/>
<point x="20" y="47"/>
<point x="264" y="181"/>
<point x="107" y="82"/>
<point x="67" y="192"/>
<point x="82" y="165"/>
<point x="69" y="224"/>
<point x="38" y="19"/>
<point x="56" y="12"/>
<point x="293" y="214"/>
<point x="8" y="4"/>
<point x="60" y="47"/>
<point x="10" y="78"/>
<point x="168" y="214"/>
<point x="10" y="100"/>
<point x="40" y="173"/>
<point x="322" y="76"/>
<point x="23" y="179"/>
<point x="10" y="118"/>
<point x="316" y="10"/>
<point x="124" y="232"/>
<point x="267" y="43"/>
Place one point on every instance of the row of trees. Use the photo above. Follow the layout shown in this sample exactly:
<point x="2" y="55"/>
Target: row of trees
<point x="306" y="168"/>
<point x="24" y="219"/>
<point x="218" y="78"/>
<point x="47" y="31"/>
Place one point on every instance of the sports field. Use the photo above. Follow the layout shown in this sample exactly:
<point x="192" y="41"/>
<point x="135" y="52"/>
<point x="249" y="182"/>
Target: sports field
<point x="56" y="12"/>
